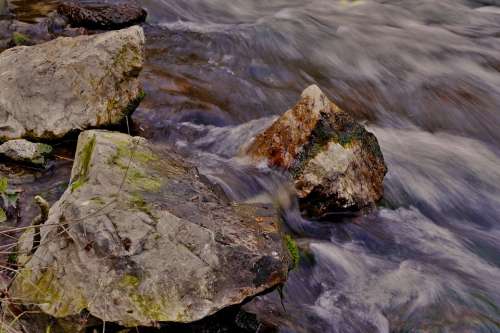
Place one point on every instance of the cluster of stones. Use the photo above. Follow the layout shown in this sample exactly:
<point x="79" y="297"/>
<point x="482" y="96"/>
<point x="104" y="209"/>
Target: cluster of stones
<point x="138" y="237"/>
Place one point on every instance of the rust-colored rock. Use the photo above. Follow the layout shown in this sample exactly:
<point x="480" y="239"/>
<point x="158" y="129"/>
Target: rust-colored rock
<point x="336" y="164"/>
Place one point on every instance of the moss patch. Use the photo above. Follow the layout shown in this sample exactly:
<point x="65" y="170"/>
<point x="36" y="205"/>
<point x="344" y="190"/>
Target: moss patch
<point x="337" y="127"/>
<point x="140" y="180"/>
<point x="45" y="290"/>
<point x="4" y="184"/>
<point x="135" y="162"/>
<point x="8" y="199"/>
<point x="138" y="202"/>
<point x="145" y="304"/>
<point x="130" y="281"/>
<point x="3" y="215"/>
<point x="44" y="149"/>
<point x="85" y="156"/>
<point x="40" y="291"/>
<point x="140" y="155"/>
<point x="20" y="39"/>
<point x="293" y="249"/>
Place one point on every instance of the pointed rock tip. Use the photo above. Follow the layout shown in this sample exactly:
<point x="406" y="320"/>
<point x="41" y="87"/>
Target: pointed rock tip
<point x="312" y="91"/>
<point x="316" y="97"/>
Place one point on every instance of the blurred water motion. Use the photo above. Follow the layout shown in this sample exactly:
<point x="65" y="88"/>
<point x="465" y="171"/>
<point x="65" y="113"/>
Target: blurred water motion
<point x="425" y="76"/>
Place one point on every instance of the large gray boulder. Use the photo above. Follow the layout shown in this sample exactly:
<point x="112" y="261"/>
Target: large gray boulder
<point x="140" y="237"/>
<point x="336" y="164"/>
<point x="70" y="84"/>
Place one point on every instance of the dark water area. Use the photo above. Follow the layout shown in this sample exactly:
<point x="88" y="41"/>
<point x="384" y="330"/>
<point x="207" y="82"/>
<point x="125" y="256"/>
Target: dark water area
<point x="422" y="75"/>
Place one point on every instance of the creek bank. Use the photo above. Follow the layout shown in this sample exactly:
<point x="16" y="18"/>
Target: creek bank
<point x="140" y="238"/>
<point x="70" y="84"/>
<point x="335" y="163"/>
<point x="102" y="16"/>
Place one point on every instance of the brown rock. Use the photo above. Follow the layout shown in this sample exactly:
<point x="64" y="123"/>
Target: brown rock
<point x="335" y="163"/>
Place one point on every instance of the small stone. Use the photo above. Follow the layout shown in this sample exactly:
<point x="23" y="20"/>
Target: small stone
<point x="26" y="152"/>
<point x="335" y="163"/>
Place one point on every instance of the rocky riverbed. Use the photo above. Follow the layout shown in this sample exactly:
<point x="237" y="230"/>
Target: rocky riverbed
<point x="140" y="237"/>
<point x="194" y="209"/>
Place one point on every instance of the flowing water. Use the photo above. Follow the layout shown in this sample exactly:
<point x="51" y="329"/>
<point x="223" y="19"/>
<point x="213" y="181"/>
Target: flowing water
<point x="423" y="75"/>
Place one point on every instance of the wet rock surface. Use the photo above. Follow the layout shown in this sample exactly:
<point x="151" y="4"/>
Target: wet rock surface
<point x="336" y="164"/>
<point x="139" y="237"/>
<point x="26" y="152"/>
<point x="101" y="15"/>
<point x="69" y="84"/>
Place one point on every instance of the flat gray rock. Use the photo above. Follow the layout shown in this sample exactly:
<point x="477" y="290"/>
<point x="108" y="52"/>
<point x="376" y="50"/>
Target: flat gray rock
<point x="140" y="237"/>
<point x="70" y="84"/>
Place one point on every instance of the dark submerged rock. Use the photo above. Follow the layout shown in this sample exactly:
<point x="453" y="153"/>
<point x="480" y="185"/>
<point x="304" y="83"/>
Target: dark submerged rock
<point x="102" y="16"/>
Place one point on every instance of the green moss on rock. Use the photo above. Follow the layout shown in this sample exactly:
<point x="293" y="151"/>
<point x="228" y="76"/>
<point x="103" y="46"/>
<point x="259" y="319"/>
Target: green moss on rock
<point x="44" y="149"/>
<point x="130" y="281"/>
<point x="4" y="184"/>
<point x="85" y="159"/>
<point x="44" y="289"/>
<point x="3" y="215"/>
<point x="134" y="161"/>
<point x="20" y="38"/>
<point x="142" y="181"/>
<point x="143" y="303"/>
<point x="293" y="249"/>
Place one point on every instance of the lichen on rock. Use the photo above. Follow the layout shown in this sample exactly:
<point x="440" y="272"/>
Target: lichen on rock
<point x="161" y="246"/>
